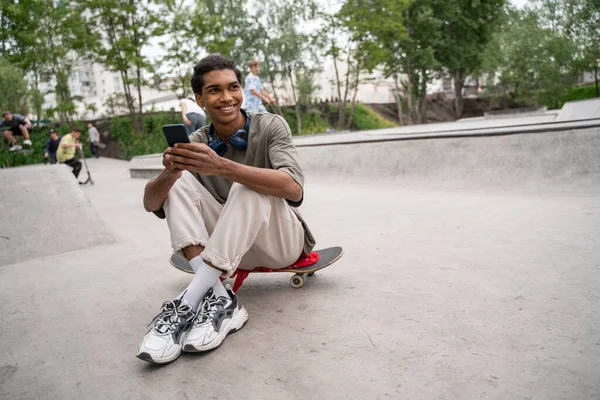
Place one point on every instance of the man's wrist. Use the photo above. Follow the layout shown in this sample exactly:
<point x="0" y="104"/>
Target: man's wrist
<point x="169" y="176"/>
<point x="227" y="169"/>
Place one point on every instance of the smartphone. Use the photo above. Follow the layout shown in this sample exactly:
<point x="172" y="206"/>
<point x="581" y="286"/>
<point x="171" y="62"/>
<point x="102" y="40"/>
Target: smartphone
<point x="175" y="133"/>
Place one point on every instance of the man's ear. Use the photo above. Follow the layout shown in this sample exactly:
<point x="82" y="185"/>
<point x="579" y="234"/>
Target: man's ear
<point x="199" y="100"/>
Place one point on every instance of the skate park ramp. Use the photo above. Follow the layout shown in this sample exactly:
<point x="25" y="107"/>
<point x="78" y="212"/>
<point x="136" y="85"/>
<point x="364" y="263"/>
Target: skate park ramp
<point x="579" y="110"/>
<point x="531" y="161"/>
<point x="45" y="212"/>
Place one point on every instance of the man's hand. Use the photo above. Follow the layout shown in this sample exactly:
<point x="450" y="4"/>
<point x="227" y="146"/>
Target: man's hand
<point x="195" y="157"/>
<point x="170" y="168"/>
<point x="45" y="155"/>
<point x="187" y="121"/>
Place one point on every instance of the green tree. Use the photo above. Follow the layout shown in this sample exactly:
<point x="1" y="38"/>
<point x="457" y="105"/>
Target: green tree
<point x="532" y="64"/>
<point x="400" y="35"/>
<point x="122" y="29"/>
<point x="466" y="29"/>
<point x="578" y="20"/>
<point x="13" y="90"/>
<point x="589" y="39"/>
<point x="45" y="39"/>
<point x="190" y="30"/>
<point x="287" y="52"/>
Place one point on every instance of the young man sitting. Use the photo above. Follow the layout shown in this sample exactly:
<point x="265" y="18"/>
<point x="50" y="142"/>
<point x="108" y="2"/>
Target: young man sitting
<point x="229" y="199"/>
<point x="15" y="124"/>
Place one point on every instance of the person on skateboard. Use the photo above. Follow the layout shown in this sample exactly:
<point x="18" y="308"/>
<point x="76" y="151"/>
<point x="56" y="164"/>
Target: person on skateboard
<point x="229" y="198"/>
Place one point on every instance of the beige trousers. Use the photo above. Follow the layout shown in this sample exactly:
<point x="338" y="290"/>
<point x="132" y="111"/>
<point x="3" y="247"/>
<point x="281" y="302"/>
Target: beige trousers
<point x="250" y="230"/>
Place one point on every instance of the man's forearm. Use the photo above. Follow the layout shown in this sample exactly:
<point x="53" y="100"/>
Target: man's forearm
<point x="260" y="96"/>
<point x="183" y="113"/>
<point x="157" y="190"/>
<point x="262" y="180"/>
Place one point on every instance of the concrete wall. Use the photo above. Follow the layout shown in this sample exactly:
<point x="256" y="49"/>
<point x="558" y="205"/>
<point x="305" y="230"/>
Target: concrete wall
<point x="527" y="161"/>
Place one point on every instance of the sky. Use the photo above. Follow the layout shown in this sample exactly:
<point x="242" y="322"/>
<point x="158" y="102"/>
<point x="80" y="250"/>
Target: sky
<point x="519" y="3"/>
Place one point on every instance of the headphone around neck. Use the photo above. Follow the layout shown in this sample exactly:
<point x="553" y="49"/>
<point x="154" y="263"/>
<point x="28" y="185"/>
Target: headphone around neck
<point x="239" y="139"/>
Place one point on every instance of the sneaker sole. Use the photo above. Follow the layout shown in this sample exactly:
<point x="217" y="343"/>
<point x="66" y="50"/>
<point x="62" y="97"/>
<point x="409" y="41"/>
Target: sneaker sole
<point x="147" y="357"/>
<point x="190" y="348"/>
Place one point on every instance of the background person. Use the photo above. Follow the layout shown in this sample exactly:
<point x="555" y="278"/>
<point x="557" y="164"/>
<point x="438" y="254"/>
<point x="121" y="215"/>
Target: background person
<point x="66" y="151"/>
<point x="94" y="138"/>
<point x="52" y="146"/>
<point x="191" y="113"/>
<point x="255" y="93"/>
<point x="15" y="124"/>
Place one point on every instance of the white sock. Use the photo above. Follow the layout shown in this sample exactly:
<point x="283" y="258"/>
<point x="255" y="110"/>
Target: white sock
<point x="205" y="277"/>
<point x="219" y="290"/>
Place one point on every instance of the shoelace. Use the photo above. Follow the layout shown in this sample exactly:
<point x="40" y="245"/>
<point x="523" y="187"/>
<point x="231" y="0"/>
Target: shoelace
<point x="166" y="321"/>
<point x="208" y="308"/>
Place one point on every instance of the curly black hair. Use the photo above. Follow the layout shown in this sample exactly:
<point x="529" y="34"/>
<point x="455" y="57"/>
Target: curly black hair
<point x="213" y="62"/>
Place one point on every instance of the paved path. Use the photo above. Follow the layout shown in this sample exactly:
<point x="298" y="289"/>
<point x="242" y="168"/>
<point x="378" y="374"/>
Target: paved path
<point x="481" y="292"/>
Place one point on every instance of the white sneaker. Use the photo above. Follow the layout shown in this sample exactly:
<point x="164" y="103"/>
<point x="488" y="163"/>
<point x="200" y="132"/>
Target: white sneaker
<point x="16" y="147"/>
<point x="163" y="343"/>
<point x="27" y="142"/>
<point x="216" y="318"/>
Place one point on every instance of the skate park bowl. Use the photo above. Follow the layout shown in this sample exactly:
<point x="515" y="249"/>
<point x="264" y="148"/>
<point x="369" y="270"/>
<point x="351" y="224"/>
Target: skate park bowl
<point x="470" y="272"/>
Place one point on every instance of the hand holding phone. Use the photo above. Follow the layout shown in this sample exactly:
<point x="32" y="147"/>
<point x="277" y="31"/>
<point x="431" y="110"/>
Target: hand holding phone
<point x="175" y="133"/>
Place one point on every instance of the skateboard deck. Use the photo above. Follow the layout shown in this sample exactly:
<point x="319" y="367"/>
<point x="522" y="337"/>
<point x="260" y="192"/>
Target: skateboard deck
<point x="324" y="258"/>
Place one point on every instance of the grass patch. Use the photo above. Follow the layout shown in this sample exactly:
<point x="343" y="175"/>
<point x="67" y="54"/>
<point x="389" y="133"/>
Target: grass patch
<point x="365" y="118"/>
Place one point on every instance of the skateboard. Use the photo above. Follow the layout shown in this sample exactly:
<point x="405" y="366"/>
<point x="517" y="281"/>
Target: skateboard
<point x="305" y="266"/>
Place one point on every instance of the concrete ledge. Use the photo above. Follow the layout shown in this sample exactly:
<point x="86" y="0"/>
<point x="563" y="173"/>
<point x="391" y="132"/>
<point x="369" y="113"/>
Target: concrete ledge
<point x="146" y="167"/>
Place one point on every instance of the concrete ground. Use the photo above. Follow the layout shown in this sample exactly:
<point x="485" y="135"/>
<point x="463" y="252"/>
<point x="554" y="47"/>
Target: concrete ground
<point x="443" y="293"/>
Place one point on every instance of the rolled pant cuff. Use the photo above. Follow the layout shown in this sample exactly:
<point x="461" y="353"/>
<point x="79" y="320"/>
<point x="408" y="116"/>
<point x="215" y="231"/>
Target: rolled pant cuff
<point x="227" y="267"/>
<point x="179" y="245"/>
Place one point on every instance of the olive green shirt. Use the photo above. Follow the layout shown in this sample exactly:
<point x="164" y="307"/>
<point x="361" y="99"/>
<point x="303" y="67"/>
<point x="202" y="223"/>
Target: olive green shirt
<point x="270" y="146"/>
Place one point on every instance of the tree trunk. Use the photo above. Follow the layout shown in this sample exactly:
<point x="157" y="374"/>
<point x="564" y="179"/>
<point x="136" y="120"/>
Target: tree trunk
<point x="398" y="100"/>
<point x="139" y="89"/>
<point x="596" y="79"/>
<point x="339" y="90"/>
<point x="273" y="88"/>
<point x="409" y="97"/>
<point x="297" y="106"/>
<point x="129" y="100"/>
<point x="342" y="103"/>
<point x="356" y="80"/>
<point x="458" y="99"/>
<point x="422" y="97"/>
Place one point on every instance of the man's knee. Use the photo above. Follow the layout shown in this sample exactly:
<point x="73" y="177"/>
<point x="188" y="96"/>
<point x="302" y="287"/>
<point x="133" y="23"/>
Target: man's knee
<point x="7" y="133"/>
<point x="238" y="190"/>
<point x="184" y="184"/>
<point x="247" y="199"/>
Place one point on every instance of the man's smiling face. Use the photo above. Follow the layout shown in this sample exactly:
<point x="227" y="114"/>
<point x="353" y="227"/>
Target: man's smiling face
<point x="221" y="95"/>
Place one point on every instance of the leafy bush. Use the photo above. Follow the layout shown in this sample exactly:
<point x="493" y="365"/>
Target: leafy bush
<point x="152" y="140"/>
<point x="579" y="93"/>
<point x="312" y="121"/>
